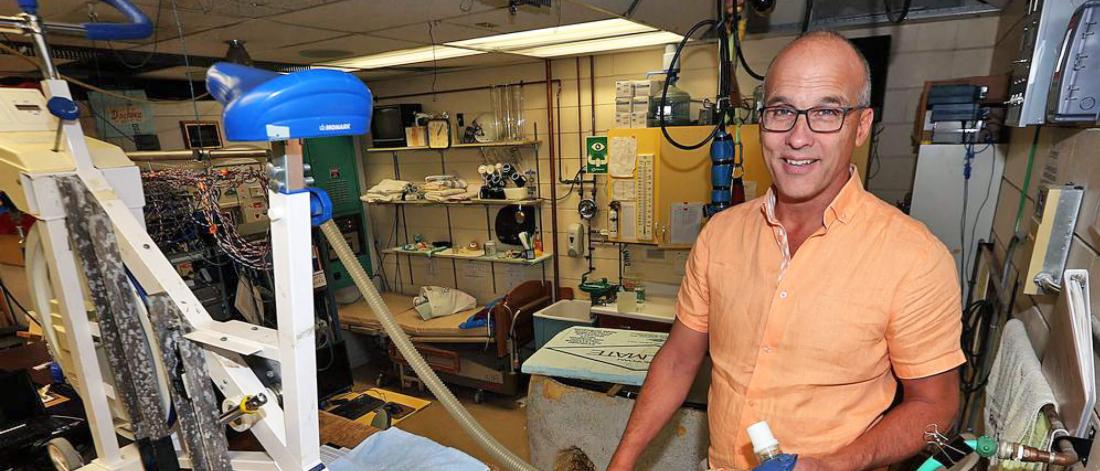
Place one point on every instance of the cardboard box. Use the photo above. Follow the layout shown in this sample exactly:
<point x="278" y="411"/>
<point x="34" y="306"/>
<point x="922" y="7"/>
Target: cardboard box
<point x="622" y="120"/>
<point x="638" y="120"/>
<point x="647" y="88"/>
<point x="639" y="104"/>
<point x="623" y="105"/>
<point x="624" y="89"/>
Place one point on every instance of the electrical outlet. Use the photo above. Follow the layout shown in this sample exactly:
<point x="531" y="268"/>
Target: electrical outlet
<point x="679" y="261"/>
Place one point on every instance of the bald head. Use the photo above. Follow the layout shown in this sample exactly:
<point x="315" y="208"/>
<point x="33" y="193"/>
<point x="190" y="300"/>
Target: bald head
<point x="826" y="49"/>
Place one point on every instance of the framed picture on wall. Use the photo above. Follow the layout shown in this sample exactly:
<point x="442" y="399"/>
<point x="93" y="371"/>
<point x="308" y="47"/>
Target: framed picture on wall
<point x="201" y="134"/>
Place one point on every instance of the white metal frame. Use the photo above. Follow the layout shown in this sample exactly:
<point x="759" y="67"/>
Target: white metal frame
<point x="289" y="434"/>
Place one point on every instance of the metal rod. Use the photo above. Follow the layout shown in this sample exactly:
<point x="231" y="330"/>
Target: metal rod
<point x="592" y="92"/>
<point x="39" y="38"/>
<point x="457" y="90"/>
<point x="553" y="179"/>
<point x="197" y="154"/>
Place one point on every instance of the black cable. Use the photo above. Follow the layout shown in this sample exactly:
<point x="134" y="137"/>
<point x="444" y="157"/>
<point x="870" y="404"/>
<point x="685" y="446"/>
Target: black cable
<point x="904" y="11"/>
<point x="741" y="57"/>
<point x="670" y="77"/>
<point x="809" y="11"/>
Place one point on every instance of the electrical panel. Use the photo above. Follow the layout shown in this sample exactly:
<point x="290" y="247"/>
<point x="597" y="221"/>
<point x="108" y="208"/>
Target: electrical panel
<point x="1044" y="28"/>
<point x="332" y="162"/>
<point x="1075" y="88"/>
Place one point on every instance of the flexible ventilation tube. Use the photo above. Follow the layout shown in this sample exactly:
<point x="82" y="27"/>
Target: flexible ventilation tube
<point x="405" y="346"/>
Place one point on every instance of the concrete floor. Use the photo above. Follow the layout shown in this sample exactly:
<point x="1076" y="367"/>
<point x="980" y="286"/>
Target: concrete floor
<point x="504" y="418"/>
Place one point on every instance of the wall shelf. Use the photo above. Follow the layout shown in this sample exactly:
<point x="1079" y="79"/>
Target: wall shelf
<point x="446" y="253"/>
<point x="476" y="145"/>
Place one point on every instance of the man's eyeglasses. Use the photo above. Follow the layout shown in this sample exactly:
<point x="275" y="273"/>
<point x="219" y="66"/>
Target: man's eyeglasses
<point x="822" y="119"/>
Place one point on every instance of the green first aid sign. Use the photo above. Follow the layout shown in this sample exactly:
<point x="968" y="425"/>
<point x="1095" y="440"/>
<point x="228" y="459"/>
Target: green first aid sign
<point x="596" y="150"/>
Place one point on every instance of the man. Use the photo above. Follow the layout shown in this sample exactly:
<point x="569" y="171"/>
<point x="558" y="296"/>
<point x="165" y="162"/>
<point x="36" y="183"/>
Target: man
<point x="815" y="300"/>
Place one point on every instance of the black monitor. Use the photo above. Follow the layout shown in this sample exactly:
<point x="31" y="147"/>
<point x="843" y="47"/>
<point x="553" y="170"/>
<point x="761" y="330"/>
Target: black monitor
<point x="19" y="399"/>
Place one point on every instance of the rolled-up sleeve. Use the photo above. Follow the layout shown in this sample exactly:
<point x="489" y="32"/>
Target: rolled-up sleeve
<point x="693" y="299"/>
<point x="925" y="328"/>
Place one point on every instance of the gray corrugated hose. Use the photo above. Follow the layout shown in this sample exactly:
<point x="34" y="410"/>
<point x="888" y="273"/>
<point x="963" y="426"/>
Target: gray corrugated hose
<point x="408" y="351"/>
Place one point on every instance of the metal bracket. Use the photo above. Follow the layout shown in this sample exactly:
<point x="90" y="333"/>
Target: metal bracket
<point x="1083" y="446"/>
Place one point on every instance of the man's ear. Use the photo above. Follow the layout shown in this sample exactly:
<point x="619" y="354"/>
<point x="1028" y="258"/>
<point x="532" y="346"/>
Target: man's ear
<point x="866" y="123"/>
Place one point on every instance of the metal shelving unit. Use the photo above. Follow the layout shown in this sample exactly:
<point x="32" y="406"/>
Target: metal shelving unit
<point x="401" y="206"/>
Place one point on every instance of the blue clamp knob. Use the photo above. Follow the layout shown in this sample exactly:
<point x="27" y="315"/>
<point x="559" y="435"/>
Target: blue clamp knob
<point x="63" y="108"/>
<point x="320" y="206"/>
<point x="784" y="462"/>
<point x="29" y="7"/>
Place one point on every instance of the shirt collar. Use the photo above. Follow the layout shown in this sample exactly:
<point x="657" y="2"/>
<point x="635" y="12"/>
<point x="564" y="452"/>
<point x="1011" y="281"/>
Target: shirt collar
<point x="842" y="208"/>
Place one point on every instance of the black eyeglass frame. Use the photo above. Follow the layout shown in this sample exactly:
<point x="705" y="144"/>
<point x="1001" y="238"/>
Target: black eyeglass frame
<point x="805" y="112"/>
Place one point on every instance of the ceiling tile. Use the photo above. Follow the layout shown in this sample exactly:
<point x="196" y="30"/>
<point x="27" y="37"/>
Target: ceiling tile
<point x="258" y="35"/>
<point x="501" y="21"/>
<point x="424" y="34"/>
<point x="360" y="16"/>
<point x="352" y="45"/>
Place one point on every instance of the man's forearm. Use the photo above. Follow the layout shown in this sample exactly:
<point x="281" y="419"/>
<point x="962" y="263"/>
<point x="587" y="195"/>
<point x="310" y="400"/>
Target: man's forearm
<point x="665" y="388"/>
<point x="898" y="436"/>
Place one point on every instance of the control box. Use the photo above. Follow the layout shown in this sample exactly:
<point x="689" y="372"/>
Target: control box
<point x="1045" y="25"/>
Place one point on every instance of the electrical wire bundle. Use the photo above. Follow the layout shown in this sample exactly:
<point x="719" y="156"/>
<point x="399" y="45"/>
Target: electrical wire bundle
<point x="199" y="192"/>
<point x="979" y="320"/>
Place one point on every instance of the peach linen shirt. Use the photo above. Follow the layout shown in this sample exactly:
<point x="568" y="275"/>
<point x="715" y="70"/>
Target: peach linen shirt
<point x="813" y="343"/>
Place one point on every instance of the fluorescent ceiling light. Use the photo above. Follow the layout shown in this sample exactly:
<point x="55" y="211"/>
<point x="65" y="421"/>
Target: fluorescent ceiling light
<point x="402" y="57"/>
<point x="556" y="35"/>
<point x="580" y="38"/>
<point x="602" y="45"/>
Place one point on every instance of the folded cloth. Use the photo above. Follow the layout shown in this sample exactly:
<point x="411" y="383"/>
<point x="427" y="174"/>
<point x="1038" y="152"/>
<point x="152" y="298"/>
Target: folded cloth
<point x="437" y="301"/>
<point x="397" y="450"/>
<point x="1016" y="393"/>
<point x="452" y="194"/>
<point x="387" y="190"/>
<point x="437" y="185"/>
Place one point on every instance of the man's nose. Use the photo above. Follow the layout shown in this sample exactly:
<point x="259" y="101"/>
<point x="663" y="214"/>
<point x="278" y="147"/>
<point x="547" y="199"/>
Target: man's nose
<point x="800" y="135"/>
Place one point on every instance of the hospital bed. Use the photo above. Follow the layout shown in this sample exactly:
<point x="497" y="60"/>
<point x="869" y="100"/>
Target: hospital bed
<point x="485" y="358"/>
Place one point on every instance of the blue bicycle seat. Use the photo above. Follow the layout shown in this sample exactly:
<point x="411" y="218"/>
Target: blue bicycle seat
<point x="261" y="105"/>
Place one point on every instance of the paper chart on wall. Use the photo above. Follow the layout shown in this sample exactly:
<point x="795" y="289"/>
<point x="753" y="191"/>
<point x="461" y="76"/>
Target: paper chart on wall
<point x="687" y="219"/>
<point x="628" y="221"/>
<point x="624" y="152"/>
<point x="622" y="190"/>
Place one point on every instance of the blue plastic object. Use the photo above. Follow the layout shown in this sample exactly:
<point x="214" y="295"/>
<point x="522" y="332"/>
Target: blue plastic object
<point x="63" y="108"/>
<point x="139" y="26"/>
<point x="29" y="7"/>
<point x="784" y="462"/>
<point x="320" y="206"/>
<point x="266" y="106"/>
<point x="721" y="159"/>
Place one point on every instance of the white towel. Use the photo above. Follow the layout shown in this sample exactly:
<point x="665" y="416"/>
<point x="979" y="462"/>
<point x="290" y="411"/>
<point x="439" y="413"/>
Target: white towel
<point x="387" y="190"/>
<point x="1016" y="392"/>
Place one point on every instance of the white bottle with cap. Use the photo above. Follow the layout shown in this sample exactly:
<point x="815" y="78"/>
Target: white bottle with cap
<point x="764" y="444"/>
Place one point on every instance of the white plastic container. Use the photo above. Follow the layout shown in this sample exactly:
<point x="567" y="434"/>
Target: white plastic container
<point x="560" y="316"/>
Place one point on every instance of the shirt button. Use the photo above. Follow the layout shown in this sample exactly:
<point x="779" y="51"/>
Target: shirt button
<point x="767" y="349"/>
<point x="782" y="295"/>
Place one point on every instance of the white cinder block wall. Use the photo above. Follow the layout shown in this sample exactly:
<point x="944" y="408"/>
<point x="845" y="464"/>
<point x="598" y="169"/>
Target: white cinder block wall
<point x="921" y="51"/>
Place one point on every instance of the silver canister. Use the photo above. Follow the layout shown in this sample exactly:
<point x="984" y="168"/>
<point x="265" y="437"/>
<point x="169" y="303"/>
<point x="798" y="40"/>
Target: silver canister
<point x="490" y="248"/>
